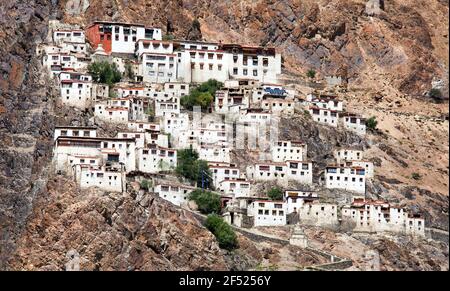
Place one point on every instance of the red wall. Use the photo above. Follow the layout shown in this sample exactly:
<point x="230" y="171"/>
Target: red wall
<point x="93" y="36"/>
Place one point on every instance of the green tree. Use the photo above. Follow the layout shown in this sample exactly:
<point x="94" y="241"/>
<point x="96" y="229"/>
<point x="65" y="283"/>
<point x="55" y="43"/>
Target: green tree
<point x="105" y="72"/>
<point x="202" y="96"/>
<point x="190" y="167"/>
<point x="372" y="123"/>
<point x="204" y="99"/>
<point x="224" y="233"/>
<point x="311" y="74"/>
<point x="207" y="202"/>
<point x="186" y="159"/>
<point x="275" y="193"/>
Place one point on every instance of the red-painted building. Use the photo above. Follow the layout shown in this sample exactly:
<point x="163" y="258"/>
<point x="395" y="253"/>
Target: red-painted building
<point x="118" y="37"/>
<point x="97" y="34"/>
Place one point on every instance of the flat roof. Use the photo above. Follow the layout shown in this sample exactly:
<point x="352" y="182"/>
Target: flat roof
<point x="100" y="139"/>
<point x="75" y="127"/>
<point x="120" y="23"/>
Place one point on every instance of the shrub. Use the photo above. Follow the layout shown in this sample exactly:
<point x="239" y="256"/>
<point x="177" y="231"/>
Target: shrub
<point x="435" y="93"/>
<point x="168" y="37"/>
<point x="146" y="185"/>
<point x="223" y="232"/>
<point x="202" y="96"/>
<point x="196" y="24"/>
<point x="104" y="72"/>
<point x="207" y="202"/>
<point x="275" y="193"/>
<point x="372" y="123"/>
<point x="311" y="74"/>
<point x="416" y="176"/>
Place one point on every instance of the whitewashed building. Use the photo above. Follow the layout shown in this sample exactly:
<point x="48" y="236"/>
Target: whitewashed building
<point x="143" y="126"/>
<point x="346" y="178"/>
<point x="268" y="213"/>
<point x="319" y="214"/>
<point x="178" y="89"/>
<point x="75" y="131"/>
<point x="69" y="35"/>
<point x="329" y="102"/>
<point x="296" y="198"/>
<point x="283" y="151"/>
<point x="222" y="172"/>
<point x="158" y="63"/>
<point x="255" y="116"/>
<point x="324" y="116"/>
<point x="237" y="187"/>
<point x="114" y="150"/>
<point x="174" y="193"/>
<point x="199" y="61"/>
<point x="214" y="153"/>
<point x="138" y="136"/>
<point x="155" y="159"/>
<point x="174" y="124"/>
<point x="76" y="89"/>
<point x="368" y="166"/>
<point x="124" y="91"/>
<point x="353" y="123"/>
<point x="105" y="178"/>
<point x="343" y="155"/>
<point x="300" y="171"/>
<point x="379" y="216"/>
<point x="278" y="105"/>
<point x="111" y="114"/>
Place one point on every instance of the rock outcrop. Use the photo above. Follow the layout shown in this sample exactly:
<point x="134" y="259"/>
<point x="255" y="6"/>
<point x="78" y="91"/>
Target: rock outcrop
<point x="26" y="116"/>
<point x="113" y="231"/>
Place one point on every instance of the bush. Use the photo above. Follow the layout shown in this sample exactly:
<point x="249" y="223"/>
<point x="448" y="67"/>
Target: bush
<point x="191" y="168"/>
<point x="146" y="185"/>
<point x="435" y="93"/>
<point x="416" y="176"/>
<point x="275" y="194"/>
<point x="202" y="96"/>
<point x="311" y="74"/>
<point x="104" y="72"/>
<point x="207" y="202"/>
<point x="168" y="37"/>
<point x="223" y="232"/>
<point x="372" y="123"/>
<point x="196" y="24"/>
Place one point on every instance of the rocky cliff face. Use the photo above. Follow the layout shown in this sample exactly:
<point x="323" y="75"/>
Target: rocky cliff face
<point x="113" y="231"/>
<point x="402" y="45"/>
<point x="25" y="116"/>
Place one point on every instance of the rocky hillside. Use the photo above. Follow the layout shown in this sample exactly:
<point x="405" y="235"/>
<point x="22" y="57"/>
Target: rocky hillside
<point x="390" y="59"/>
<point x="111" y="231"/>
<point x="26" y="114"/>
<point x="403" y="45"/>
